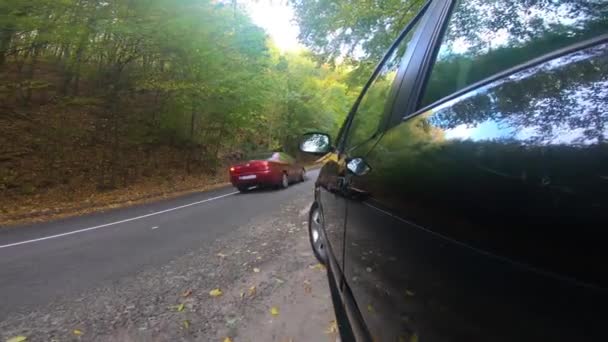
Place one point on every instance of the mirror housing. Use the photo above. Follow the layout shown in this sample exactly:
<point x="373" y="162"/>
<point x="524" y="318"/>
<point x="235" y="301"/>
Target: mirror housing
<point x="315" y="143"/>
<point x="358" y="166"/>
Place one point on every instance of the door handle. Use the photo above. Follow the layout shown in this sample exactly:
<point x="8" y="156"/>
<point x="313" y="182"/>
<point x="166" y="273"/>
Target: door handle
<point x="342" y="182"/>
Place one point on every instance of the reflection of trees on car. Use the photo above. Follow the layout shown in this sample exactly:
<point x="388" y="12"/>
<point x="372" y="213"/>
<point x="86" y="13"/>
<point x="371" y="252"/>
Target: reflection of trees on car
<point x="555" y="105"/>
<point x="530" y="145"/>
<point x="484" y="38"/>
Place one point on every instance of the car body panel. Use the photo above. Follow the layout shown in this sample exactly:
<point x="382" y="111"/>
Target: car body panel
<point x="482" y="217"/>
<point x="328" y="196"/>
<point x="467" y="234"/>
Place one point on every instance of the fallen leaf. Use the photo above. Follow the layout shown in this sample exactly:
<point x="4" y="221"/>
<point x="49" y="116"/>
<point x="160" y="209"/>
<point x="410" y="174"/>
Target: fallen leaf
<point x="410" y="293"/>
<point x="279" y="280"/>
<point x="17" y="339"/>
<point x="332" y="328"/>
<point x="318" y="267"/>
<point x="251" y="291"/>
<point x="215" y="293"/>
<point x="256" y="270"/>
<point x="307" y="286"/>
<point x="231" y="322"/>
<point x="370" y="308"/>
<point x="221" y="255"/>
<point x="274" y="311"/>
<point x="227" y="339"/>
<point x="242" y="294"/>
<point x="414" y="337"/>
<point x="77" y="332"/>
<point x="187" y="293"/>
<point x="180" y="307"/>
<point x="186" y="324"/>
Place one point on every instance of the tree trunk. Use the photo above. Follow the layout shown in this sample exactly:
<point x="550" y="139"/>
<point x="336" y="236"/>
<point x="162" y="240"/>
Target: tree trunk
<point x="6" y="36"/>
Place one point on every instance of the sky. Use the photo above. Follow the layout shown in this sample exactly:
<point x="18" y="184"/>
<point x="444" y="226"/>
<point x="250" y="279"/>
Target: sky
<point x="276" y="17"/>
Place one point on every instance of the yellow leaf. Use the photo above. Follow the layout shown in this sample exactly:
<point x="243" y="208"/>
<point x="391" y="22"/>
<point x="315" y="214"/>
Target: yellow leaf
<point x="370" y="308"/>
<point x="332" y="328"/>
<point x="318" y="267"/>
<point x="17" y="339"/>
<point x="414" y="337"/>
<point x="77" y="332"/>
<point x="251" y="291"/>
<point x="227" y="339"/>
<point x="274" y="311"/>
<point x="180" y="307"/>
<point x="186" y="324"/>
<point x="215" y="293"/>
<point x="256" y="270"/>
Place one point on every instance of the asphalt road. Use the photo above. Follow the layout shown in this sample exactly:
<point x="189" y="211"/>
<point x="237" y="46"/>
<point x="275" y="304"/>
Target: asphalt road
<point x="48" y="262"/>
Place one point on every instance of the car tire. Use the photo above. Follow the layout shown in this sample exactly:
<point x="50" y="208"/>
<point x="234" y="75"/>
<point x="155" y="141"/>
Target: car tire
<point x="303" y="175"/>
<point x="242" y="189"/>
<point x="316" y="234"/>
<point x="284" y="181"/>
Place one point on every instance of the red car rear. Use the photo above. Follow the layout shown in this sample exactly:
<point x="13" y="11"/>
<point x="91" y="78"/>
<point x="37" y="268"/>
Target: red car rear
<point x="272" y="168"/>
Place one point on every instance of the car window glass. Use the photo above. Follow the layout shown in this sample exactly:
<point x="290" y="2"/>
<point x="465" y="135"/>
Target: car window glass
<point x="485" y="37"/>
<point x="260" y="156"/>
<point x="373" y="103"/>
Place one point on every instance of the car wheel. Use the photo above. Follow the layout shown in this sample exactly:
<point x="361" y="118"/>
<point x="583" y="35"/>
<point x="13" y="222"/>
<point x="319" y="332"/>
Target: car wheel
<point x="243" y="188"/>
<point x="316" y="235"/>
<point x="302" y="175"/>
<point x="284" y="181"/>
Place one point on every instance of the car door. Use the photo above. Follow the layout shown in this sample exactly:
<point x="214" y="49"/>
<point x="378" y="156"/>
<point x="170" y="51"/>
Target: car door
<point x="484" y="209"/>
<point x="372" y="116"/>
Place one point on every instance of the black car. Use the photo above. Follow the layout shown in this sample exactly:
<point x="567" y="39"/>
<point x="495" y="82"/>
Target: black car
<point x="465" y="198"/>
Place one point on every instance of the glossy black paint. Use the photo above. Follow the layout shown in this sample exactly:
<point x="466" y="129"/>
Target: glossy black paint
<point x="333" y="207"/>
<point x="483" y="215"/>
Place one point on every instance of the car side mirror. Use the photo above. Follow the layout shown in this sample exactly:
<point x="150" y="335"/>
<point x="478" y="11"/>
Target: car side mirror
<point x="315" y="143"/>
<point x="358" y="166"/>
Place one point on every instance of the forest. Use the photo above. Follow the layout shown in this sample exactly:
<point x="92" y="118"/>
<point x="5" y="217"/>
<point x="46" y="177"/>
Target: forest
<point x="103" y="95"/>
<point x="124" y="98"/>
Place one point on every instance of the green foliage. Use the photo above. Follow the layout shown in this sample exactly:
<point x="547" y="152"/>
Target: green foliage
<point x="361" y="30"/>
<point x="196" y="75"/>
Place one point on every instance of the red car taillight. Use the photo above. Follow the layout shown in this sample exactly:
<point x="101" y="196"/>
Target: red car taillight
<point x="232" y="169"/>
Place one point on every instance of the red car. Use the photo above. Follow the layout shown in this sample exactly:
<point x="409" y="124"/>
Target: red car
<point x="271" y="168"/>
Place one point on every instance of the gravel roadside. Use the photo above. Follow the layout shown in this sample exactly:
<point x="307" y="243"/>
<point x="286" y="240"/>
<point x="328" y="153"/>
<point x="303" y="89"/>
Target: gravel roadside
<point x="272" y="289"/>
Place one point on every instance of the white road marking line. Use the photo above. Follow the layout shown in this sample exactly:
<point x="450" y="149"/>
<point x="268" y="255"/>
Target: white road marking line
<point x="155" y="227"/>
<point x="117" y="222"/>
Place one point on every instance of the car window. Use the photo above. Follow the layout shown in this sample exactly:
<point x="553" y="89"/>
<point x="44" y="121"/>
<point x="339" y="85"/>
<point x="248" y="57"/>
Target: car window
<point x="372" y="107"/>
<point x="286" y="158"/>
<point x="261" y="156"/>
<point x="485" y="37"/>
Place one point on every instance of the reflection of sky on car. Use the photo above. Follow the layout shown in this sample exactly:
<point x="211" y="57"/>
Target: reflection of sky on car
<point x="492" y="130"/>
<point x="560" y="134"/>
